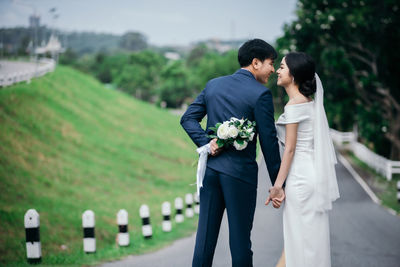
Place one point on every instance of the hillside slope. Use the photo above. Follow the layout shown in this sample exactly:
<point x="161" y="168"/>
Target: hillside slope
<point x="68" y="144"/>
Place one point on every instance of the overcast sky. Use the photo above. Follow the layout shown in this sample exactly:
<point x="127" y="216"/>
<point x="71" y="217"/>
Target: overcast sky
<point x="163" y="22"/>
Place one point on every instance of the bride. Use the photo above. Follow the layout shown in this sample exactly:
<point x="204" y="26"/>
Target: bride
<point x="307" y="170"/>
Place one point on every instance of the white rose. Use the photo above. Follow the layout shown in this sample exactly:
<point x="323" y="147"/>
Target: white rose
<point x="251" y="137"/>
<point x="241" y="121"/>
<point x="233" y="131"/>
<point x="238" y="146"/>
<point x="243" y="134"/>
<point x="222" y="131"/>
<point x="249" y="130"/>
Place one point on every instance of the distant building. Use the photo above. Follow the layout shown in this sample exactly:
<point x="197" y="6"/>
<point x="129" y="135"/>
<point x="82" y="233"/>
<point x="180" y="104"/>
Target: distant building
<point x="172" y="55"/>
<point x="53" y="46"/>
<point x="34" y="21"/>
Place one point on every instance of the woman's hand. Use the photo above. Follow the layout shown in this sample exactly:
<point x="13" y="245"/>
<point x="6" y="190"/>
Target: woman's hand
<point x="276" y="195"/>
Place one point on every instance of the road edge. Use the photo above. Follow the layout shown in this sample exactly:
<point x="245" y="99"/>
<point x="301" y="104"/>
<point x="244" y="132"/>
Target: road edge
<point x="363" y="184"/>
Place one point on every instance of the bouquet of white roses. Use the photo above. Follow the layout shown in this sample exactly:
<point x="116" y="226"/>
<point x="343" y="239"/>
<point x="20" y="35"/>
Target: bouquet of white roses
<point x="234" y="132"/>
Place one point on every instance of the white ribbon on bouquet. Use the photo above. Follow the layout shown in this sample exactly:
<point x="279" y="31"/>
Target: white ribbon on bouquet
<point x="202" y="165"/>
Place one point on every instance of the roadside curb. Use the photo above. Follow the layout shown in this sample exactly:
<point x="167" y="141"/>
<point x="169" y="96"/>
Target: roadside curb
<point x="363" y="184"/>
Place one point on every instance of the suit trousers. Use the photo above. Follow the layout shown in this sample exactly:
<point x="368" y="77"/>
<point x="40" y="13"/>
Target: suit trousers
<point x="222" y="191"/>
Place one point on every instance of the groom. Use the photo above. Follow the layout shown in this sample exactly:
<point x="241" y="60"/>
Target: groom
<point x="230" y="179"/>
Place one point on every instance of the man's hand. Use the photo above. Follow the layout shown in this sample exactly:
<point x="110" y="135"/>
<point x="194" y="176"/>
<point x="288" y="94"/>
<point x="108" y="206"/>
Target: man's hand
<point x="215" y="149"/>
<point x="276" y="195"/>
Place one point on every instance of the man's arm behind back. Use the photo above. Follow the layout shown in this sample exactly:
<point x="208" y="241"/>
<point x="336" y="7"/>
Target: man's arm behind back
<point x="190" y="121"/>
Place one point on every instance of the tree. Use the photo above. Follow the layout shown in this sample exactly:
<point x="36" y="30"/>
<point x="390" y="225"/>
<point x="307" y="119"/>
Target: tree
<point x="133" y="41"/>
<point x="211" y="65"/>
<point x="355" y="46"/>
<point x="174" y="86"/>
<point x="140" y="76"/>
<point x="196" y="54"/>
<point x="69" y="57"/>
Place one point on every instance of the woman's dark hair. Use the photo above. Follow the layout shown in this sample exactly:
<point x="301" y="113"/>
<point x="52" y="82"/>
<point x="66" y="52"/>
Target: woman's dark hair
<point x="255" y="48"/>
<point x="302" y="68"/>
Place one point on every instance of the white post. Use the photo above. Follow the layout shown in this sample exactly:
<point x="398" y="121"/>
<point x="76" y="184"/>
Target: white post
<point x="355" y="132"/>
<point x="123" y="234"/>
<point x="189" y="205"/>
<point x="89" y="240"/>
<point x="166" y="212"/>
<point x="196" y="203"/>
<point x="33" y="246"/>
<point x="146" y="226"/>
<point x="388" y="170"/>
<point x="178" y="207"/>
<point x="398" y="191"/>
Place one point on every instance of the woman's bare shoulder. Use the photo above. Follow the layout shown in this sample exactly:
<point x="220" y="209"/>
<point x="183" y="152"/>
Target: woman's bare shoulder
<point x="297" y="101"/>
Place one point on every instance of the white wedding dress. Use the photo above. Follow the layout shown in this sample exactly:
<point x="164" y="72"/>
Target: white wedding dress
<point x="306" y="230"/>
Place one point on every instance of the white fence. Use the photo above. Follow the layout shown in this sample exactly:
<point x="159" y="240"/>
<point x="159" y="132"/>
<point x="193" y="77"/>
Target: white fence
<point x="12" y="72"/>
<point x="380" y="164"/>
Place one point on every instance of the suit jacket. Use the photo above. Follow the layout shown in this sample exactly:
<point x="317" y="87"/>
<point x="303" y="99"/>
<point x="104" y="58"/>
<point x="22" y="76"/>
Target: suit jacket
<point x="238" y="95"/>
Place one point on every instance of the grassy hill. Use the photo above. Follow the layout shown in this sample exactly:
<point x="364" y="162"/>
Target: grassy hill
<point x="68" y="144"/>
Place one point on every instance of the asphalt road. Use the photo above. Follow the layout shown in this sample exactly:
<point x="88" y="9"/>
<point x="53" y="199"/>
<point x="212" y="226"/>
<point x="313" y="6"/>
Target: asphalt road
<point x="362" y="233"/>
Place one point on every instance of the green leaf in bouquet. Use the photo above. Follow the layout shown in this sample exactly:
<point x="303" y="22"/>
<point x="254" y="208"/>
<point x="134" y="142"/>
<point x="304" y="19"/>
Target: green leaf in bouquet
<point x="212" y="136"/>
<point x="239" y="141"/>
<point x="214" y="129"/>
<point x="218" y="124"/>
<point x="220" y="143"/>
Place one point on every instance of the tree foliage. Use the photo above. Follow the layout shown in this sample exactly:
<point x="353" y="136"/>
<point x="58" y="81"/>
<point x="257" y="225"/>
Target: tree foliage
<point x="210" y="64"/>
<point x="355" y="46"/>
<point x="174" y="86"/>
<point x="150" y="76"/>
<point x="140" y="75"/>
<point x="133" y="41"/>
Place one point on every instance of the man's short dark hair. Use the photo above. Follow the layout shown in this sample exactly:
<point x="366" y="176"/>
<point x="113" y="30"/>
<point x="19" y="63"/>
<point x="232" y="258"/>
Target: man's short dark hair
<point x="255" y="48"/>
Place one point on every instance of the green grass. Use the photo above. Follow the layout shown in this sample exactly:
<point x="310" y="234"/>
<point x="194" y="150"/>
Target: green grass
<point x="385" y="190"/>
<point x="68" y="144"/>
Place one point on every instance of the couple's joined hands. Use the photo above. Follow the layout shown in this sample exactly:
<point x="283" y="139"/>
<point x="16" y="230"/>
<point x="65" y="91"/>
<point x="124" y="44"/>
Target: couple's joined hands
<point x="276" y="195"/>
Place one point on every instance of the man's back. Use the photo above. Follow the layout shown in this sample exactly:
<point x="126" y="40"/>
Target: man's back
<point x="236" y="95"/>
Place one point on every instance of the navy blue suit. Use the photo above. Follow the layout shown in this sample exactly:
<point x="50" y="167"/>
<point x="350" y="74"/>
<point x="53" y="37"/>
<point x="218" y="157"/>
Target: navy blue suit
<point x="231" y="177"/>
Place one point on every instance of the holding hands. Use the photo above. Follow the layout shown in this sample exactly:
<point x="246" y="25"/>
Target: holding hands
<point x="276" y="195"/>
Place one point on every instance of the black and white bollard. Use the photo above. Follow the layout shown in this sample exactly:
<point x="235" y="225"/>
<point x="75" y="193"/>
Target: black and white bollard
<point x="179" y="207"/>
<point x="33" y="246"/>
<point x="89" y="240"/>
<point x="189" y="206"/>
<point x="398" y="191"/>
<point x="146" y="226"/>
<point x="166" y="212"/>
<point x="123" y="234"/>
<point x="196" y="203"/>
